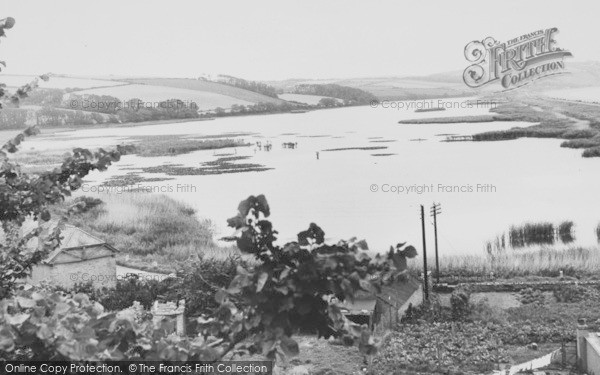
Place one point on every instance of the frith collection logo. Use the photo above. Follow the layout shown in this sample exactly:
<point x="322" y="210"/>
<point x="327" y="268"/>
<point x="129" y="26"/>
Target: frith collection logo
<point x="514" y="63"/>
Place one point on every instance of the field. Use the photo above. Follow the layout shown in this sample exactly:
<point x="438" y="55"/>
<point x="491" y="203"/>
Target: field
<point x="148" y="93"/>
<point x="206" y="86"/>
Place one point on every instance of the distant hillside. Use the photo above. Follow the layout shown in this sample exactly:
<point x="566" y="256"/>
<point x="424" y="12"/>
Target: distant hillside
<point x="389" y="88"/>
<point x="450" y="84"/>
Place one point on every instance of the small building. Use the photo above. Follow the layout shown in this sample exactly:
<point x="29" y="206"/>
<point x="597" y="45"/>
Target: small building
<point x="386" y="307"/>
<point x="80" y="259"/>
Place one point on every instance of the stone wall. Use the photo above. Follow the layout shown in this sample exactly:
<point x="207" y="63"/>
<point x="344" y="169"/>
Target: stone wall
<point x="101" y="272"/>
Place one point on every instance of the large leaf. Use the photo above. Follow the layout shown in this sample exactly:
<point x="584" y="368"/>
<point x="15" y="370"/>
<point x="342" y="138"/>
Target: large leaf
<point x="245" y="243"/>
<point x="236" y="222"/>
<point x="16" y="319"/>
<point x="314" y="233"/>
<point x="26" y="302"/>
<point x="7" y="343"/>
<point x="289" y="346"/>
<point x="262" y="280"/>
<point x="409" y="252"/>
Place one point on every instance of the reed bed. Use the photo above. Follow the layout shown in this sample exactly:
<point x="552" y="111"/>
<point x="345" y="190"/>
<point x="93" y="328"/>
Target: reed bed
<point x="576" y="261"/>
<point x="154" y="226"/>
<point x="532" y="234"/>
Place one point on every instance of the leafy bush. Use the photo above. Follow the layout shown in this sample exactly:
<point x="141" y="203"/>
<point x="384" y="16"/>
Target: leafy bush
<point x="86" y="203"/>
<point x="289" y="289"/>
<point x="530" y="295"/>
<point x="196" y="282"/>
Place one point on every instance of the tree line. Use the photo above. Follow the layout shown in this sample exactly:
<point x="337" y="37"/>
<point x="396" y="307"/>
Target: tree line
<point x="90" y="110"/>
<point x="349" y="95"/>
<point x="258" y="87"/>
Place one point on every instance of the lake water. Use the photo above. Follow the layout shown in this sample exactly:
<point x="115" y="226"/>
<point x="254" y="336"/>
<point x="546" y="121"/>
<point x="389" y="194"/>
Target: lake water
<point x="526" y="180"/>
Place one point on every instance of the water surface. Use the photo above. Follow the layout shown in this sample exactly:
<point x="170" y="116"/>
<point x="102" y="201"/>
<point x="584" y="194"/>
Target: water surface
<point x="532" y="179"/>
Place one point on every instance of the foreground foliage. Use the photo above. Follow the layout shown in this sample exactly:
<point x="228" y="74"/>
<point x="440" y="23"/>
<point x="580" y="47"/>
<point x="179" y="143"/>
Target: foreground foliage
<point x="441" y="348"/>
<point x="290" y="289"/>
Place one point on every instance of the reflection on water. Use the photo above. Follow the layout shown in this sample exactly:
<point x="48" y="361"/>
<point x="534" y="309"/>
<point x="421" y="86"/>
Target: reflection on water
<point x="375" y="193"/>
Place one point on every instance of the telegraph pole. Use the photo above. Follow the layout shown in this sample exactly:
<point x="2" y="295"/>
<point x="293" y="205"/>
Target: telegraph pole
<point x="425" y="276"/>
<point x="436" y="209"/>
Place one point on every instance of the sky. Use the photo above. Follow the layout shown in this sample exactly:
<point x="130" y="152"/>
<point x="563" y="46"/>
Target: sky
<point x="274" y="40"/>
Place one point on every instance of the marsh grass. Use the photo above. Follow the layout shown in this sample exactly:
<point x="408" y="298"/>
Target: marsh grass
<point x="574" y="261"/>
<point x="581" y="143"/>
<point x="355" y="148"/>
<point x="455" y="119"/>
<point x="593" y="152"/>
<point x="576" y="122"/>
<point x="151" y="146"/>
<point x="150" y="225"/>
<point x="222" y="165"/>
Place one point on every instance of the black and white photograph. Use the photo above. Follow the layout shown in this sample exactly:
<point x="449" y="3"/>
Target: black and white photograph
<point x="299" y="187"/>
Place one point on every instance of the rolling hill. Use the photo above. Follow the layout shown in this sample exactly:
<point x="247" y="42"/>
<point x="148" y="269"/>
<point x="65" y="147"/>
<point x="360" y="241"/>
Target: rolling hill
<point x="450" y="84"/>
